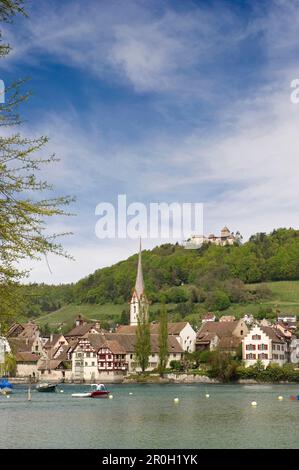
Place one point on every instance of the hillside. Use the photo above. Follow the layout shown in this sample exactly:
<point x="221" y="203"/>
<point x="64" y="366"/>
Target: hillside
<point x="285" y="298"/>
<point x="224" y="279"/>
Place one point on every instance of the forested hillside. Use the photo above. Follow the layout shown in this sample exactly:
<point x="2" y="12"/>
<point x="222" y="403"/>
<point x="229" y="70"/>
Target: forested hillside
<point x="211" y="276"/>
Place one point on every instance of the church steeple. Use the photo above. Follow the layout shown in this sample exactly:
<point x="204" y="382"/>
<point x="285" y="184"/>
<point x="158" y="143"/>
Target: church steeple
<point x="138" y="296"/>
<point x="139" y="284"/>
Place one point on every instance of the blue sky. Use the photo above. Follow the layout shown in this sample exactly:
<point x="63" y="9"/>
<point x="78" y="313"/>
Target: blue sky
<point x="184" y="101"/>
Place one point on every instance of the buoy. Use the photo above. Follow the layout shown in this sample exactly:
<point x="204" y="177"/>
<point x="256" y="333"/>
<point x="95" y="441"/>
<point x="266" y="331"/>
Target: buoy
<point x="61" y="391"/>
<point x="253" y="403"/>
<point x="207" y="395"/>
<point x="280" y="398"/>
<point x="110" y="396"/>
<point x="130" y="393"/>
<point x="176" y="400"/>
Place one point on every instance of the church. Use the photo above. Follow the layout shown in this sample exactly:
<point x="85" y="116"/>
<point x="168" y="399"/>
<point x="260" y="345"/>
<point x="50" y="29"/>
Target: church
<point x="181" y="331"/>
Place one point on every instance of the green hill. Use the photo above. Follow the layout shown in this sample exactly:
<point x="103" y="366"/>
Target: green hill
<point x="234" y="279"/>
<point x="285" y="298"/>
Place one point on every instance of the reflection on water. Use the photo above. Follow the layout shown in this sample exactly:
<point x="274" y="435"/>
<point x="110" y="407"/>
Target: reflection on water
<point x="149" y="418"/>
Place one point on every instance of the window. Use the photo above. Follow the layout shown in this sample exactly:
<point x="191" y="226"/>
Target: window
<point x="278" y="347"/>
<point x="263" y="356"/>
<point x="250" y="356"/>
<point x="241" y="332"/>
<point x="92" y="364"/>
<point x="88" y="354"/>
<point x="263" y="347"/>
<point x="256" y="337"/>
<point x="250" y="347"/>
<point x="86" y="364"/>
<point x="281" y="357"/>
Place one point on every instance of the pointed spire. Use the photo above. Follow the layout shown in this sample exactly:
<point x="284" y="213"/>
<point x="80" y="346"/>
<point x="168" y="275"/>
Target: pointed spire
<point x="139" y="285"/>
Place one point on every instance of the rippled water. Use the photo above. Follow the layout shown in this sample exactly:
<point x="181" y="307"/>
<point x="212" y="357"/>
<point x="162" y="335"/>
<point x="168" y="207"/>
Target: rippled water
<point x="149" y="418"/>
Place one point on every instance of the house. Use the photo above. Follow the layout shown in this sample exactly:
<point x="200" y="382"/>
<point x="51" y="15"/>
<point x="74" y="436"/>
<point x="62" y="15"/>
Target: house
<point x="4" y="349"/>
<point x="82" y="329"/>
<point x="208" y="317"/>
<point x="15" y="330"/>
<point x="264" y="322"/>
<point x="265" y="344"/>
<point x="110" y="356"/>
<point x="224" y="336"/>
<point x="225" y="318"/>
<point x="248" y="319"/>
<point x="54" y="343"/>
<point x="288" y="319"/>
<point x="26" y="364"/>
<point x="182" y="331"/>
<point x="30" y="331"/>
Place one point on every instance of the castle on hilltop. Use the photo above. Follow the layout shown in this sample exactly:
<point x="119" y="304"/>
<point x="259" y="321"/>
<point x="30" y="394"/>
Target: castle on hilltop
<point x="226" y="237"/>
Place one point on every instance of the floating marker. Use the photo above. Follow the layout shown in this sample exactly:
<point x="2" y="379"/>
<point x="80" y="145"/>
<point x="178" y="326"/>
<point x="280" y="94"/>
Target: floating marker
<point x="176" y="400"/>
<point x="61" y="391"/>
<point x="110" y="396"/>
<point x="253" y="403"/>
<point x="207" y="395"/>
<point x="280" y="398"/>
<point x="130" y="393"/>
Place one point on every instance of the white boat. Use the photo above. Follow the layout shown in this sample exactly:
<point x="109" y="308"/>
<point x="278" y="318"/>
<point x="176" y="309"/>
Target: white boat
<point x="82" y="395"/>
<point x="100" y="391"/>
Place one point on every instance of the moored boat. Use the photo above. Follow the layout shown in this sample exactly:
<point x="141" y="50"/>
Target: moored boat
<point x="46" y="387"/>
<point x="5" y="387"/>
<point x="99" y="392"/>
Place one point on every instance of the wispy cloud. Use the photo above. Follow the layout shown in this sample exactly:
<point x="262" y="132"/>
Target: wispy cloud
<point x="203" y="111"/>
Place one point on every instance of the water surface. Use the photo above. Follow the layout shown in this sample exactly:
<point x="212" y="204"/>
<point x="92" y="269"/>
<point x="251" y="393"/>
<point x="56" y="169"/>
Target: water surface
<point x="149" y="418"/>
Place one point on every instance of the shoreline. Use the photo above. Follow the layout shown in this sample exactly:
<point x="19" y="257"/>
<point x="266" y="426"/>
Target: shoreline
<point x="182" y="379"/>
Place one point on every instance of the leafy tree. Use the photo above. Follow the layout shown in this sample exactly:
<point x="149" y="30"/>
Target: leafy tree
<point x="217" y="300"/>
<point x="163" y="341"/>
<point x="10" y="365"/>
<point x="124" y="317"/>
<point x="143" y="338"/>
<point x="23" y="212"/>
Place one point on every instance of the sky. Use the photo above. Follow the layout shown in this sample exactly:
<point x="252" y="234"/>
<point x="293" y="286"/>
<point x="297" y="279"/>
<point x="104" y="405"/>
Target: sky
<point x="163" y="101"/>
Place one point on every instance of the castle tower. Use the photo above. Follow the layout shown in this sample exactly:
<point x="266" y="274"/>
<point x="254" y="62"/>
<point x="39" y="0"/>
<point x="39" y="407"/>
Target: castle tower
<point x="138" y="297"/>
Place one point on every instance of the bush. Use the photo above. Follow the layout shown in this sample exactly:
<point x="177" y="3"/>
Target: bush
<point x="176" y="365"/>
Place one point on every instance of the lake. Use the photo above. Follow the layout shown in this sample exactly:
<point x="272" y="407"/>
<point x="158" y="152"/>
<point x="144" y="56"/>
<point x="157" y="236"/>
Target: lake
<point x="149" y="418"/>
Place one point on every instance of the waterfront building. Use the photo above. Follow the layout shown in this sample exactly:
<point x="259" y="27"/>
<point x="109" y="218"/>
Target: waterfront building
<point x="265" y="344"/>
<point x="182" y="331"/>
<point x="138" y="300"/>
<point x="224" y="336"/>
<point x="110" y="356"/>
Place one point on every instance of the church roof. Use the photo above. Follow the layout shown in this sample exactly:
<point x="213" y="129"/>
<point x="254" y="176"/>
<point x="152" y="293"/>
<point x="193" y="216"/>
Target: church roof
<point x="139" y="284"/>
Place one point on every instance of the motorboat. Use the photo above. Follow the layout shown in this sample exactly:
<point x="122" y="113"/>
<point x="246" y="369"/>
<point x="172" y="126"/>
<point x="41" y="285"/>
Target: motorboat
<point x="100" y="391"/>
<point x="5" y="387"/>
<point x="44" y="387"/>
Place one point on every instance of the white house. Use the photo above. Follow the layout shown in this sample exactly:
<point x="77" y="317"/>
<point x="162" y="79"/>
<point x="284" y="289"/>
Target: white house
<point x="4" y="349"/>
<point x="265" y="344"/>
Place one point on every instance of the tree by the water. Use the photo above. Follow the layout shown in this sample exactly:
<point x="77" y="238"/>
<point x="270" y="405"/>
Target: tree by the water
<point x="143" y="338"/>
<point x="163" y="340"/>
<point x="23" y="209"/>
